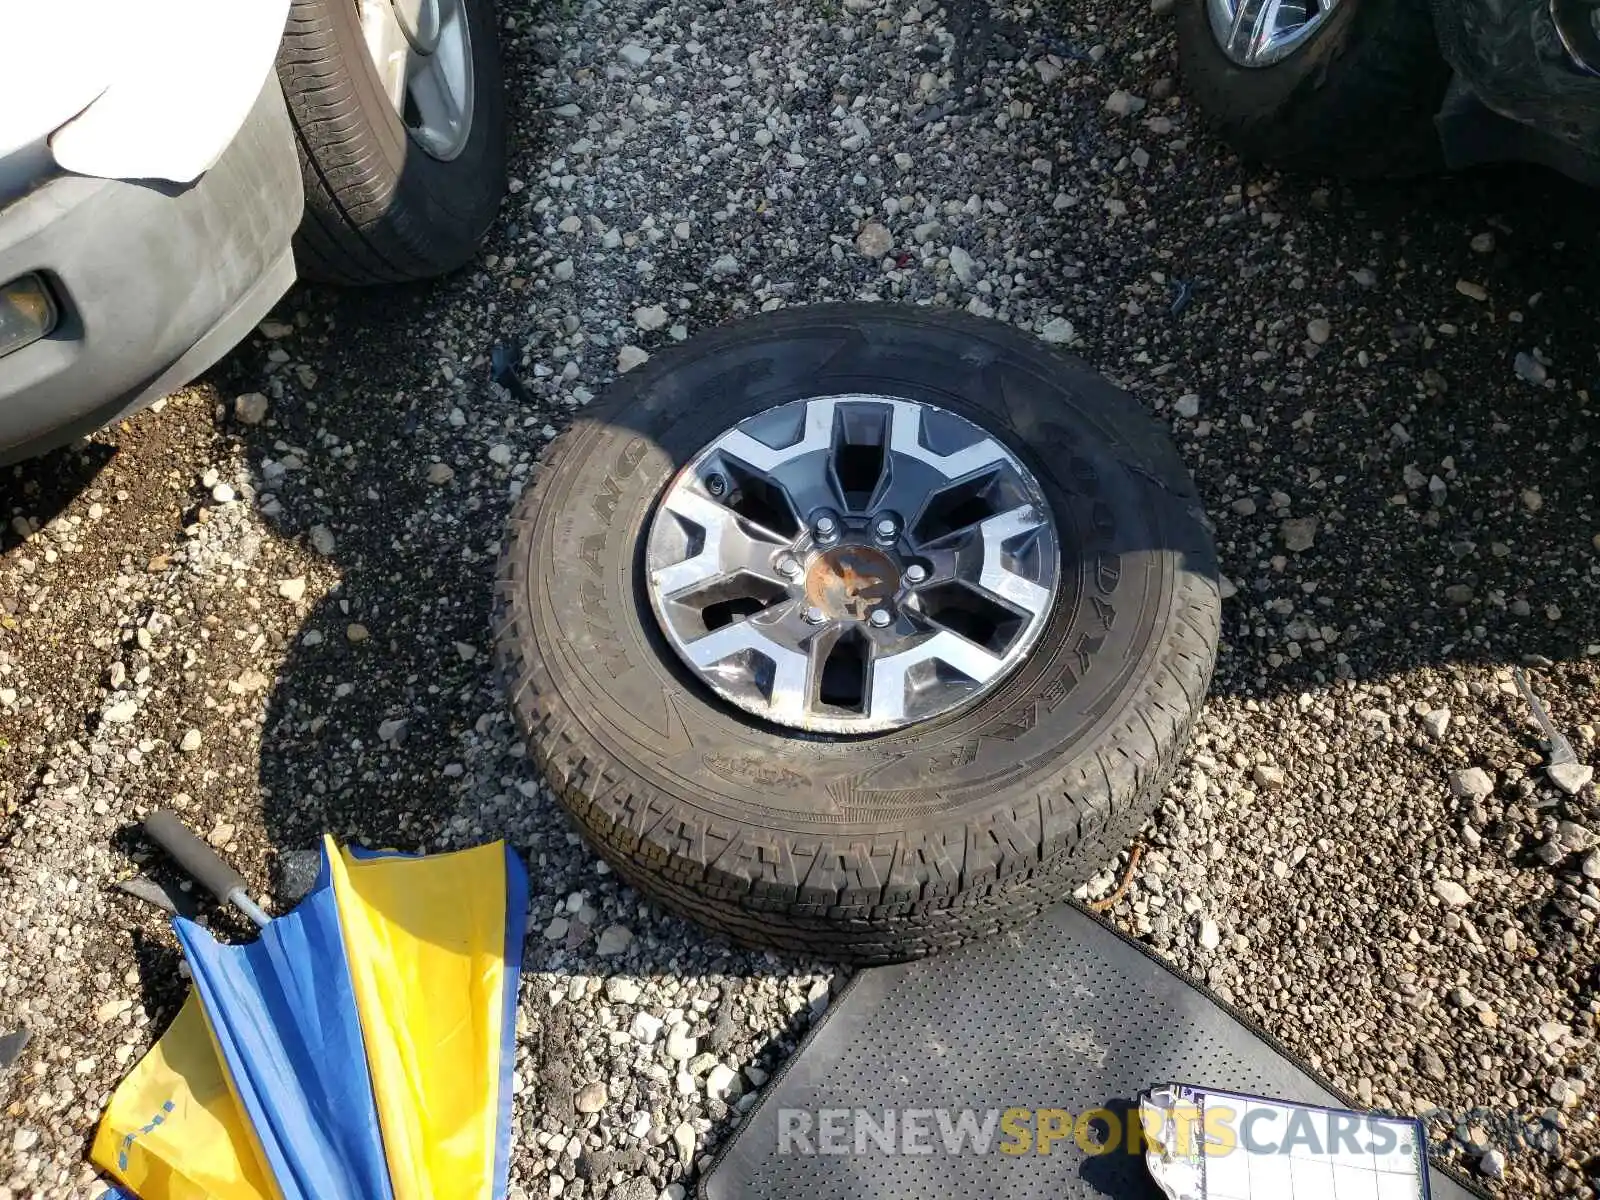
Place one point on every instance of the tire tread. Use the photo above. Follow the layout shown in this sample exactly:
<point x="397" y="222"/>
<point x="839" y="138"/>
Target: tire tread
<point x="368" y="220"/>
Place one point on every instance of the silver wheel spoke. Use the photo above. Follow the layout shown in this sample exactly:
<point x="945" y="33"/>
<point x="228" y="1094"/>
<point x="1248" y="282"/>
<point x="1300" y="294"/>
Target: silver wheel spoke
<point x="852" y="563"/>
<point x="387" y="47"/>
<point x="1258" y="33"/>
<point x="905" y="438"/>
<point x="728" y="545"/>
<point x="816" y="435"/>
<point x="891" y="676"/>
<point x="1246" y="25"/>
<point x="998" y="579"/>
<point x="714" y="521"/>
<point x="795" y="469"/>
<point x="790" y="668"/>
<point x="437" y="106"/>
<point x="426" y="72"/>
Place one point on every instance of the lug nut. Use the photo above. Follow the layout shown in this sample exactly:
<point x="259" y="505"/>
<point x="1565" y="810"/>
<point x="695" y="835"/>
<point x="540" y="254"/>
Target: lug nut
<point x="880" y="617"/>
<point x="825" y="529"/>
<point x="887" y="528"/>
<point x="787" y="564"/>
<point x="915" y="573"/>
<point x="815" y="615"/>
<point x="716" y="484"/>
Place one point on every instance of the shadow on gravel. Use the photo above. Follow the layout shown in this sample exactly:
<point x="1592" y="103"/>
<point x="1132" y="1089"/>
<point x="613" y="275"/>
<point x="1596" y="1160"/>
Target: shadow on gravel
<point x="1463" y="567"/>
<point x="162" y="983"/>
<point x="44" y="487"/>
<point x="1456" y="494"/>
<point x="401" y="646"/>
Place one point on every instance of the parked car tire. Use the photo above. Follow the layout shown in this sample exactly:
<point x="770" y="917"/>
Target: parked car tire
<point x="873" y="821"/>
<point x="396" y="189"/>
<point x="1353" y="94"/>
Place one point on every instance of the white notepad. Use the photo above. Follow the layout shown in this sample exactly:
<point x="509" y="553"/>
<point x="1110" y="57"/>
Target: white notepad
<point x="1207" y="1144"/>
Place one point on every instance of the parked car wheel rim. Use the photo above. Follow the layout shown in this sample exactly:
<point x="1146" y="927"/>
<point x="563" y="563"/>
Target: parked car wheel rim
<point x="1258" y="33"/>
<point x="422" y="51"/>
<point x="853" y="563"/>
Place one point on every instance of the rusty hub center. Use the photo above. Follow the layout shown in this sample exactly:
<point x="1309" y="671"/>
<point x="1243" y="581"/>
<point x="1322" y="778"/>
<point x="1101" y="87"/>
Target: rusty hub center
<point x="848" y="582"/>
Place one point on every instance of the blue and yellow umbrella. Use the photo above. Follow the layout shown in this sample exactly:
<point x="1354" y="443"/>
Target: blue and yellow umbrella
<point x="360" y="1049"/>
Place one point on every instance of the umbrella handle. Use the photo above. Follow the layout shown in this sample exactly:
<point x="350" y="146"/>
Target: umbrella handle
<point x="167" y="830"/>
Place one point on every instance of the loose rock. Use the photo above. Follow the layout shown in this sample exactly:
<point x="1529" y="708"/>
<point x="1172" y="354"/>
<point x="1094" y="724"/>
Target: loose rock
<point x="1471" y="783"/>
<point x="1057" y="331"/>
<point x="1123" y="104"/>
<point x="120" y="713"/>
<point x="1571" y="778"/>
<point x="321" y="539"/>
<point x="614" y="940"/>
<point x="683" y="1140"/>
<point x="1451" y="892"/>
<point x="250" y="408"/>
<point x="1268" y="777"/>
<point x="1529" y="369"/>
<point x="622" y="990"/>
<point x="874" y="241"/>
<point x="681" y="1046"/>
<point x="961" y="264"/>
<point x="1298" y="533"/>
<point x="720" y="1081"/>
<point x="651" y="318"/>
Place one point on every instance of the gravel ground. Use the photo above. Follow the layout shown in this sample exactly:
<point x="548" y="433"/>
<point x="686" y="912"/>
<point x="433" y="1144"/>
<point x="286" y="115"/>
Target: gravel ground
<point x="270" y="613"/>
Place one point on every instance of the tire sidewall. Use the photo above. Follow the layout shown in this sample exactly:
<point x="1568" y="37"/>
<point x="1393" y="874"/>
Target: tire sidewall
<point x="607" y="660"/>
<point x="463" y="193"/>
<point x="1236" y="92"/>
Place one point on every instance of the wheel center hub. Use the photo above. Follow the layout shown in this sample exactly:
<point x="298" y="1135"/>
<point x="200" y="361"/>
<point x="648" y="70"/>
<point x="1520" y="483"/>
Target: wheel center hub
<point x="848" y="582"/>
<point x="853" y="563"/>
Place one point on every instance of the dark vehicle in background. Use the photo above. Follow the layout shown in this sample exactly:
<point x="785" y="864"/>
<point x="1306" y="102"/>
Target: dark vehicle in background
<point x="1399" y="87"/>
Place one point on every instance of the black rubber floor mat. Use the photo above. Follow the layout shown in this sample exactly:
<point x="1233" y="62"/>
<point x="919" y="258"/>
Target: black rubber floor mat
<point x="1063" y="1013"/>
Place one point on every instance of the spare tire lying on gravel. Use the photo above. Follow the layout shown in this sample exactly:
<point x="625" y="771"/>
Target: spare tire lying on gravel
<point x="859" y="631"/>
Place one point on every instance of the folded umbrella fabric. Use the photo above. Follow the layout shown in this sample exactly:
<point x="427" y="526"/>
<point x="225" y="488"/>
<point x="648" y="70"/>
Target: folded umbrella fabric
<point x="360" y="1049"/>
<point x="435" y="947"/>
<point x="173" y="1130"/>
<point x="282" y="1010"/>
